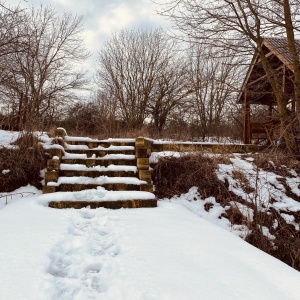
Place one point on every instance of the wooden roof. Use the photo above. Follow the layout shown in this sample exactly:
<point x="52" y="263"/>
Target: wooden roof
<point x="279" y="46"/>
<point x="259" y="90"/>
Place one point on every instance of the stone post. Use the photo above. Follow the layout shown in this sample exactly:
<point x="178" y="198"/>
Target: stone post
<point x="142" y="154"/>
<point x="53" y="163"/>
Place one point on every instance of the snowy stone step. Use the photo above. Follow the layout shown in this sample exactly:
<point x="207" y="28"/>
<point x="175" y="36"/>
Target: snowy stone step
<point x="65" y="187"/>
<point x="92" y="162"/>
<point x="100" y="153"/>
<point x="93" y="143"/>
<point x="136" y="203"/>
<point x="79" y="170"/>
<point x="75" y="187"/>
<point x="83" y="167"/>
<point x="68" y="155"/>
<point x="69" y="147"/>
<point x="109" y="183"/>
<point x="97" y="180"/>
<point x="96" y="173"/>
<point x="100" y="197"/>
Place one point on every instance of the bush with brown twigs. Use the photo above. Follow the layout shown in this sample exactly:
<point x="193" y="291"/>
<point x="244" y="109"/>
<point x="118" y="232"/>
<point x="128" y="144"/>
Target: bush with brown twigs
<point x="174" y="176"/>
<point x="21" y="165"/>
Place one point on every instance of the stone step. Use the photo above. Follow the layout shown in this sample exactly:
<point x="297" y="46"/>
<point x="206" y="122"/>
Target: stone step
<point x="100" y="153"/>
<point x="100" y="198"/>
<point x="93" y="143"/>
<point x="94" y="174"/>
<point x="66" y="187"/>
<point x="99" y="180"/>
<point x="110" y="173"/>
<point x="86" y="147"/>
<point x="79" y="167"/>
<point x="91" y="162"/>
<point x="73" y="184"/>
<point x="53" y="187"/>
<point x="135" y="203"/>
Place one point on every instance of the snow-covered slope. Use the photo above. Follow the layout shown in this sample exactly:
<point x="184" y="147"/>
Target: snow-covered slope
<point x="166" y="252"/>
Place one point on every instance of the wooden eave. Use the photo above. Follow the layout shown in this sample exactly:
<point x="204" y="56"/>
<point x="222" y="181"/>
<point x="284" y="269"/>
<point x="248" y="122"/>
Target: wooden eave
<point x="273" y="50"/>
<point x="261" y="97"/>
<point x="255" y="61"/>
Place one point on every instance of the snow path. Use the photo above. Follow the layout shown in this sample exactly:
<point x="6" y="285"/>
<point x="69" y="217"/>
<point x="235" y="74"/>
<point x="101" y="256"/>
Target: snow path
<point x="81" y="260"/>
<point x="164" y="253"/>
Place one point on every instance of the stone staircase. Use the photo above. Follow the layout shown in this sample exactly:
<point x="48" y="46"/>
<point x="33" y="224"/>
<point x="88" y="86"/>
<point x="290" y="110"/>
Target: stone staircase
<point x="111" y="173"/>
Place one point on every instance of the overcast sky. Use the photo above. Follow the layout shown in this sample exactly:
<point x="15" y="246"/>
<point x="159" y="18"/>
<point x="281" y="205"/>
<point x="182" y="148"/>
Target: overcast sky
<point x="102" y="17"/>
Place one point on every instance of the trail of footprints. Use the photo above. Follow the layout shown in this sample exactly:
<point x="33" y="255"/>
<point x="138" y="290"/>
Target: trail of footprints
<point x="81" y="261"/>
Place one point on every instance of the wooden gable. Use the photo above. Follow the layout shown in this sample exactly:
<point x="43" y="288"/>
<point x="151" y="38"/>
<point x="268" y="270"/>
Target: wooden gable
<point x="256" y="88"/>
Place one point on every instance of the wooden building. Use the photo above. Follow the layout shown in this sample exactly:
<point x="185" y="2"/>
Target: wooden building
<point x="256" y="90"/>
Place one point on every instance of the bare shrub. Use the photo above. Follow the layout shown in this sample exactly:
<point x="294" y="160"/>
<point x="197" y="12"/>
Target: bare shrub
<point x="277" y="161"/>
<point x="22" y="164"/>
<point x="173" y="176"/>
<point x="268" y="230"/>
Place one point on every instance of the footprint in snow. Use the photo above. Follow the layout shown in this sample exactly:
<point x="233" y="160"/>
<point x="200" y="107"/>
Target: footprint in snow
<point x="80" y="262"/>
<point x="87" y="213"/>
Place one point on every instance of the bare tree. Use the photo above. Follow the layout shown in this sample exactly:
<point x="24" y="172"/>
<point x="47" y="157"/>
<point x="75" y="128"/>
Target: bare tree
<point x="44" y="66"/>
<point x="241" y="25"/>
<point x="170" y="91"/>
<point x="10" y="33"/>
<point x="139" y="70"/>
<point x="213" y="78"/>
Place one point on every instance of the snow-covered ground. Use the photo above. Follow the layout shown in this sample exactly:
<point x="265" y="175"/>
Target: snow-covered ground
<point x="178" y="250"/>
<point x="168" y="252"/>
<point x="7" y="137"/>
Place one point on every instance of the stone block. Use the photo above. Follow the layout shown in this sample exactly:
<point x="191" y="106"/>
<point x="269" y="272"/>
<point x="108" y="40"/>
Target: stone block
<point x="146" y="188"/>
<point x="157" y="147"/>
<point x="142" y="163"/>
<point x="49" y="189"/>
<point x="56" y="152"/>
<point x="145" y="175"/>
<point x="142" y="142"/>
<point x="148" y="143"/>
<point x="101" y="153"/>
<point x="90" y="163"/>
<point x="139" y="142"/>
<point x="51" y="176"/>
<point x="92" y="145"/>
<point x="141" y="152"/>
<point x="53" y="165"/>
<point x="60" y="132"/>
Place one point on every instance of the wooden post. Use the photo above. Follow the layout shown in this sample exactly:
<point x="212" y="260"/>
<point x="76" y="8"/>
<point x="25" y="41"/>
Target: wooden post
<point x="284" y="94"/>
<point x="246" y="119"/>
<point x="293" y="105"/>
